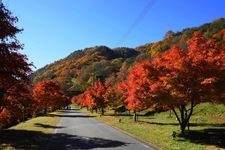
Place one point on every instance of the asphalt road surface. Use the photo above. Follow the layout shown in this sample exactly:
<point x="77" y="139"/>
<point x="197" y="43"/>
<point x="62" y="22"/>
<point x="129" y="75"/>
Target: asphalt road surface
<point x="79" y="131"/>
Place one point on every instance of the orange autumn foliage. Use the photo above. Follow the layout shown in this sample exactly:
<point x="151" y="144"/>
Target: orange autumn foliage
<point x="93" y="97"/>
<point x="177" y="78"/>
<point x="48" y="96"/>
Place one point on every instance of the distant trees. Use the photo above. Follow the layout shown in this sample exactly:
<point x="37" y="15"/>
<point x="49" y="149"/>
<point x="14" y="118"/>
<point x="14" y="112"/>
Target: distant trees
<point x="98" y="94"/>
<point x="93" y="97"/>
<point x="115" y="97"/>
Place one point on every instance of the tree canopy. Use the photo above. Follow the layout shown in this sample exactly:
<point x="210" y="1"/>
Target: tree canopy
<point x="14" y="68"/>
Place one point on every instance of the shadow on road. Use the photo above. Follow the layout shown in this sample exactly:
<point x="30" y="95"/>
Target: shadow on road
<point x="33" y="140"/>
<point x="69" y="110"/>
<point x="47" y="126"/>
<point x="72" y="116"/>
<point x="63" y="141"/>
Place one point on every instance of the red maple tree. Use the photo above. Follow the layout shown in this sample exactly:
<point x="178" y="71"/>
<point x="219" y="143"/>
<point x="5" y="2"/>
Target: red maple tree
<point x="48" y="95"/>
<point x="94" y="97"/>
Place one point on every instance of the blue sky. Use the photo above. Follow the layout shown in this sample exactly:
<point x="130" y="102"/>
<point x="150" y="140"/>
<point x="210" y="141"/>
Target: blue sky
<point x="55" y="28"/>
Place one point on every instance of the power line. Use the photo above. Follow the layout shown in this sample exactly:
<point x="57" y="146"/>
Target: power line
<point x="137" y="20"/>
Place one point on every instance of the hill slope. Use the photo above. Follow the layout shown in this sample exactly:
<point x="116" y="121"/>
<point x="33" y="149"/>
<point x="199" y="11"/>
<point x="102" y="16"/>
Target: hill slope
<point x="83" y="67"/>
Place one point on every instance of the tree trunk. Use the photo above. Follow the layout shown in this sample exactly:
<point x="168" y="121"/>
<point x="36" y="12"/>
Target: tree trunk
<point x="34" y="115"/>
<point x="171" y="114"/>
<point x="135" y="116"/>
<point x="115" y="114"/>
<point x="188" y="125"/>
<point x="183" y="125"/>
<point x="1" y="97"/>
<point x="184" y="117"/>
<point x="45" y="111"/>
<point x="102" y="111"/>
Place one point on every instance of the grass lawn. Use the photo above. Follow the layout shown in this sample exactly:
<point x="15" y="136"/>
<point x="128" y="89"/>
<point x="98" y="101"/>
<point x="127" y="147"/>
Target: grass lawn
<point x="31" y="134"/>
<point x="207" y="129"/>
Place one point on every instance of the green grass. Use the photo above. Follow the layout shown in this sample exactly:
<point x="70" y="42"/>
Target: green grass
<point x="31" y="134"/>
<point x="210" y="109"/>
<point x="207" y="130"/>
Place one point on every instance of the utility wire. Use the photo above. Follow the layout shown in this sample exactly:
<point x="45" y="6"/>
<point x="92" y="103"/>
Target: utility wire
<point x="137" y="20"/>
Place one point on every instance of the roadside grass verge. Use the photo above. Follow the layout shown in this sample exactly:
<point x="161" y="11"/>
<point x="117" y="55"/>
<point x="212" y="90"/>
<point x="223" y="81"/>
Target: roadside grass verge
<point x="207" y="128"/>
<point x="30" y="134"/>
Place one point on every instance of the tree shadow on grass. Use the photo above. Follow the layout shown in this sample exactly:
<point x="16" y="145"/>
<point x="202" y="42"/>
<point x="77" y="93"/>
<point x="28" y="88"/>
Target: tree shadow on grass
<point x="159" y="123"/>
<point x="213" y="134"/>
<point x="207" y="125"/>
<point x="47" y="126"/>
<point x="34" y="140"/>
<point x="209" y="136"/>
<point x="191" y="124"/>
<point x="118" y="115"/>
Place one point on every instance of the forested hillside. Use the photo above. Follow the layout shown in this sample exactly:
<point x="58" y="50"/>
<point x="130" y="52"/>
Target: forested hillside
<point x="82" y="68"/>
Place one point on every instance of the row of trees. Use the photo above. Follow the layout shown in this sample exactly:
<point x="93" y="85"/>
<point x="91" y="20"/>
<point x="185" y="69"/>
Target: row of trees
<point x="19" y="99"/>
<point x="177" y="79"/>
<point x="23" y="101"/>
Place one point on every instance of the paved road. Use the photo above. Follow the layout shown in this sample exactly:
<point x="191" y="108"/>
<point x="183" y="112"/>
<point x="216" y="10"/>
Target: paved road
<point x="79" y="131"/>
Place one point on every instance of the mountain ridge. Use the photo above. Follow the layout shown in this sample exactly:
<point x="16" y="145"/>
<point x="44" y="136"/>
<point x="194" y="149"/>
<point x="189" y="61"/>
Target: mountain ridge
<point x="75" y="72"/>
